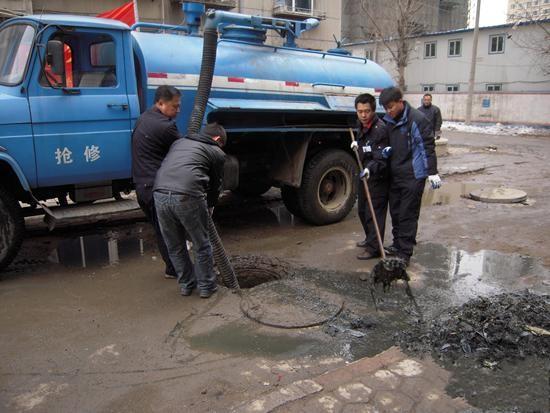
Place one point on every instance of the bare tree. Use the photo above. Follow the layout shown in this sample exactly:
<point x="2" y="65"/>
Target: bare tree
<point x="394" y="25"/>
<point x="537" y="41"/>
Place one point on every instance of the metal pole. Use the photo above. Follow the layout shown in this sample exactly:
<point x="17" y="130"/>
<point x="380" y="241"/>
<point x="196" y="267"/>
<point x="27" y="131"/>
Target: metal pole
<point x="471" y="81"/>
<point x="136" y="12"/>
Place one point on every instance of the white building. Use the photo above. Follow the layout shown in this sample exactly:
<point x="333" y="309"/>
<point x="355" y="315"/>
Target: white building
<point x="507" y="59"/>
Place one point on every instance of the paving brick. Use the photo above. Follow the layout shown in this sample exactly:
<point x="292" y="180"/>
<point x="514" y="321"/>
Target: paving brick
<point x="382" y="380"/>
<point x="393" y="402"/>
<point x="419" y="388"/>
<point x="407" y="368"/>
<point x="294" y="391"/>
<point x="354" y="392"/>
<point x="360" y="408"/>
<point x="325" y="403"/>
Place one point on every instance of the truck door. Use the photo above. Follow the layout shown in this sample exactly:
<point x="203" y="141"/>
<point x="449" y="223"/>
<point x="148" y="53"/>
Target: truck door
<point x="81" y="120"/>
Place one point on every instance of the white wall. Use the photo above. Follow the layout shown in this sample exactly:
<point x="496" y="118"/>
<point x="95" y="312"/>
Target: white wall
<point x="517" y="69"/>
<point x="515" y="108"/>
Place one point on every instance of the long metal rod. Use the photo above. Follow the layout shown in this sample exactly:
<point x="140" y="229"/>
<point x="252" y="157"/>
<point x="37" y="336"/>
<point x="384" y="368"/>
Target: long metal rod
<point x="367" y="193"/>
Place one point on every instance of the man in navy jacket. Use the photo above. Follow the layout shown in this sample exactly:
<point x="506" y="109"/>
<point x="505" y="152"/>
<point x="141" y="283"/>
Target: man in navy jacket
<point x="412" y="160"/>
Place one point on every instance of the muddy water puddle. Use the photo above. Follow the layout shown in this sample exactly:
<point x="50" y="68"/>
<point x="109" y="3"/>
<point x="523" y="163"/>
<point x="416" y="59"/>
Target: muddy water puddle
<point x="450" y="192"/>
<point x="245" y="340"/>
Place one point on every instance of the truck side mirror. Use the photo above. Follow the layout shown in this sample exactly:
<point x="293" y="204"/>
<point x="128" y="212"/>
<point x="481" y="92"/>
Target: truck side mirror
<point x="55" y="57"/>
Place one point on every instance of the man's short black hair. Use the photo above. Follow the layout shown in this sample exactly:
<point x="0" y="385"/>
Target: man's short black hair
<point x="166" y="93"/>
<point x="215" y="129"/>
<point x="390" y="94"/>
<point x="427" y="94"/>
<point x="366" y="98"/>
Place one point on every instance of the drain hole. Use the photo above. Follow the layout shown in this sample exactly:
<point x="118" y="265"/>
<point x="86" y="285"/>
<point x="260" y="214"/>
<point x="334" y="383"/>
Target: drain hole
<point x="253" y="270"/>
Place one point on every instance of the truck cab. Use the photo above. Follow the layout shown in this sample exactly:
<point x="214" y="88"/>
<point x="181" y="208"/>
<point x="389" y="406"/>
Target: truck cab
<point x="64" y="128"/>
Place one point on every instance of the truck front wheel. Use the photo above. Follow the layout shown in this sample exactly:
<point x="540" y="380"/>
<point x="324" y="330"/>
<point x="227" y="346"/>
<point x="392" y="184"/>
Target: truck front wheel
<point x="12" y="227"/>
<point x="328" y="188"/>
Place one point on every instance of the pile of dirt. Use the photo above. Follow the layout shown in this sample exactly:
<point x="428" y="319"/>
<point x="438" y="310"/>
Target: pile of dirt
<point x="511" y="325"/>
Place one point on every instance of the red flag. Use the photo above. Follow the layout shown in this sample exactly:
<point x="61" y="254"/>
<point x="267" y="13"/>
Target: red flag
<point x="124" y="13"/>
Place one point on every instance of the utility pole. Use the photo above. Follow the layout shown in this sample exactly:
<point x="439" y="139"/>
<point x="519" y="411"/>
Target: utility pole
<point x="471" y="82"/>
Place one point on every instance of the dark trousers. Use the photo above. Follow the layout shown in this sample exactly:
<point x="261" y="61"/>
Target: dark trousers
<point x="379" y="193"/>
<point x="405" y="201"/>
<point x="183" y="216"/>
<point x="147" y="204"/>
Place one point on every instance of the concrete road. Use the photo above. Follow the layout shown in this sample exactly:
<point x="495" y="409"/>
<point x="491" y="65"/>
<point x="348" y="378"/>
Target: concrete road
<point x="89" y="324"/>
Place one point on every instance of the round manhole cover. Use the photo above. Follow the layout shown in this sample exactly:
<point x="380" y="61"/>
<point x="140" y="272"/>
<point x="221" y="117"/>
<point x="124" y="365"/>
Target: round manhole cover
<point x="290" y="303"/>
<point x="499" y="195"/>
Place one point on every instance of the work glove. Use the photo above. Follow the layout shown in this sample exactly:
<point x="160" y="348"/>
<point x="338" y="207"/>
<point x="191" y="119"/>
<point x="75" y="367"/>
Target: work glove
<point x="210" y="211"/>
<point x="386" y="152"/>
<point x="354" y="146"/>
<point x="437" y="134"/>
<point x="365" y="173"/>
<point x="435" y="181"/>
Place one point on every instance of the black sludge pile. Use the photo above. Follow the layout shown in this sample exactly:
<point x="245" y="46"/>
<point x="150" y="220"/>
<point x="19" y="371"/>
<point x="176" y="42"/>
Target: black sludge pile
<point x="490" y="329"/>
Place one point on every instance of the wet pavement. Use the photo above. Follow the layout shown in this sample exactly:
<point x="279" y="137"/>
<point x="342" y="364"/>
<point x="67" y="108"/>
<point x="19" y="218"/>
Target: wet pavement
<point x="90" y="324"/>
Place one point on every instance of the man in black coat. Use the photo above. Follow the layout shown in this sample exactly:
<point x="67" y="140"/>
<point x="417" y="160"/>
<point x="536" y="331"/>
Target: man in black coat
<point x="373" y="147"/>
<point x="412" y="160"/>
<point x="432" y="113"/>
<point x="153" y="134"/>
<point x="186" y="190"/>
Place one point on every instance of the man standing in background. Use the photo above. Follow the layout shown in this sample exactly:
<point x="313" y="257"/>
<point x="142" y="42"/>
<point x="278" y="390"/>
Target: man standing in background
<point x="432" y="113"/>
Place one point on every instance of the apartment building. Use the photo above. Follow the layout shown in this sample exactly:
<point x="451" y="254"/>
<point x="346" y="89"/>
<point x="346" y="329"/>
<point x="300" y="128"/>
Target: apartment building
<point x="170" y="12"/>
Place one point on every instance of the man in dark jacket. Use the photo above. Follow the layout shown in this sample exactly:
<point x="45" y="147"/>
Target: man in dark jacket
<point x="432" y="113"/>
<point x="153" y="134"/>
<point x="412" y="160"/>
<point x="373" y="147"/>
<point x="187" y="185"/>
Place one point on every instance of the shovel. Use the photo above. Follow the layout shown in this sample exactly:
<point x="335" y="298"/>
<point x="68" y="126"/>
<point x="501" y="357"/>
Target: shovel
<point x="388" y="269"/>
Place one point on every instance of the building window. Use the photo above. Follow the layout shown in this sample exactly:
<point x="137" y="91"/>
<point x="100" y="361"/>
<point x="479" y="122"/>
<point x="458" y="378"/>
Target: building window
<point x="496" y="43"/>
<point x="452" y="88"/>
<point x="302" y="6"/>
<point x="493" y="87"/>
<point x="429" y="50"/>
<point x="369" y="54"/>
<point x="428" y="88"/>
<point x="455" y="47"/>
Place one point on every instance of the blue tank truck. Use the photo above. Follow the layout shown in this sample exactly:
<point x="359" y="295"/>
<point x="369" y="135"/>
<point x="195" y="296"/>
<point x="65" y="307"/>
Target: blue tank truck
<point x="71" y="88"/>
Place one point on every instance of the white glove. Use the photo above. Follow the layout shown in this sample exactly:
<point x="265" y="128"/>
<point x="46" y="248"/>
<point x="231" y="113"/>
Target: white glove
<point x="365" y="173"/>
<point x="354" y="146"/>
<point x="435" y="181"/>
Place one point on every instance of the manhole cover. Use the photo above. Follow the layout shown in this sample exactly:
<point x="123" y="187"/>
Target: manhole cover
<point x="290" y="303"/>
<point x="498" y="195"/>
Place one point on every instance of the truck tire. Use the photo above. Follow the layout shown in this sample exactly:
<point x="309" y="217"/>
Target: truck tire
<point x="252" y="188"/>
<point x="12" y="228"/>
<point x="328" y="188"/>
<point x="290" y="199"/>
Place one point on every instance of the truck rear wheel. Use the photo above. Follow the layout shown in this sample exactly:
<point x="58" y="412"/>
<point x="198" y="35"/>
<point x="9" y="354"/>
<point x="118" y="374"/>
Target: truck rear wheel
<point x="12" y="228"/>
<point x="328" y="188"/>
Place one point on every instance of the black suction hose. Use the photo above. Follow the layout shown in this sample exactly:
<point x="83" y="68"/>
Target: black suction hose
<point x="209" y="48"/>
<point x="210" y="45"/>
<point x="224" y="266"/>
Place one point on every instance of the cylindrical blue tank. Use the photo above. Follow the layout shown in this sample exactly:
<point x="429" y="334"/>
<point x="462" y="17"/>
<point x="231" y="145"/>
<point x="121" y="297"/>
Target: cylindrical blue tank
<point x="250" y="76"/>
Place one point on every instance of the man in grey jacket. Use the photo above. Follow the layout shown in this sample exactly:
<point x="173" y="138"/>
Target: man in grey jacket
<point x="432" y="113"/>
<point x="186" y="189"/>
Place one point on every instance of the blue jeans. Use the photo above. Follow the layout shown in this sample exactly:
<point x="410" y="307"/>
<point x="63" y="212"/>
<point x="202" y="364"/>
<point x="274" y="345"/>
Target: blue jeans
<point x="180" y="215"/>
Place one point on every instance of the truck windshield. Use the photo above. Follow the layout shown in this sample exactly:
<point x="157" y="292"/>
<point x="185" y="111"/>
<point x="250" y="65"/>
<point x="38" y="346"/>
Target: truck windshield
<point x="15" y="48"/>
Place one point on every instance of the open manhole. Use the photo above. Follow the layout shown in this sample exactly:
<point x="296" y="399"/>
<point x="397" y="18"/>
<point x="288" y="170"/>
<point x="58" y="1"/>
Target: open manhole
<point x="253" y="270"/>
